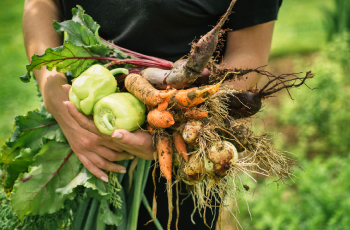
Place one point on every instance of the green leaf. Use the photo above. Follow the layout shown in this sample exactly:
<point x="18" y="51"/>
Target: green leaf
<point x="96" y="187"/>
<point x="25" y="78"/>
<point x="67" y="58"/>
<point x="16" y="161"/>
<point x="80" y="16"/>
<point x="25" y="142"/>
<point x="78" y="34"/>
<point x="35" y="192"/>
<point x="30" y="130"/>
<point x="108" y="216"/>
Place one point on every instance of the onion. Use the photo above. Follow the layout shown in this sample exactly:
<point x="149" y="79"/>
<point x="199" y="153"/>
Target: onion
<point x="191" y="130"/>
<point x="193" y="171"/>
<point x="220" y="157"/>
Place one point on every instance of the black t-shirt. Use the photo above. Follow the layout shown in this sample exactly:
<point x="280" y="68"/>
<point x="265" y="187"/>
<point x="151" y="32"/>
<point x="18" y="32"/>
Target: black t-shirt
<point x="165" y="28"/>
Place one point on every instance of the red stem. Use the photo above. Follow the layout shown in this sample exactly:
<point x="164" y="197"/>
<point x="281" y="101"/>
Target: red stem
<point x="121" y="77"/>
<point x="139" y="62"/>
<point x="166" y="63"/>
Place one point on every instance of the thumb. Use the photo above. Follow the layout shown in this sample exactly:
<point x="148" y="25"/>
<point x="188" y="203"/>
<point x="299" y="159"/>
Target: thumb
<point x="123" y="136"/>
<point x="138" y="140"/>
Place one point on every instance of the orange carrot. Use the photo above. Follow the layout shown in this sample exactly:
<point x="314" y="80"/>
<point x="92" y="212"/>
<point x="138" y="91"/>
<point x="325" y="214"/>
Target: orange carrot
<point x="163" y="105"/>
<point x="180" y="145"/>
<point x="160" y="118"/>
<point x="145" y="92"/>
<point x="195" y="114"/>
<point x="150" y="129"/>
<point x="193" y="96"/>
<point x="165" y="155"/>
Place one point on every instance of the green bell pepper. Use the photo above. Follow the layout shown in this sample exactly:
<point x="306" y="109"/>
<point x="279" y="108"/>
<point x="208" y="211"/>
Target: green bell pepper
<point x="92" y="85"/>
<point x="119" y="111"/>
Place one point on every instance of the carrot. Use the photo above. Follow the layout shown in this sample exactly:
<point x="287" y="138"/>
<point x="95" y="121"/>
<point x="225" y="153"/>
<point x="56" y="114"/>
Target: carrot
<point x="145" y="92"/>
<point x="150" y="129"/>
<point x="163" y="105"/>
<point x="180" y="145"/>
<point x="195" y="114"/>
<point x="165" y="155"/>
<point x="193" y="96"/>
<point x="160" y="118"/>
<point x="185" y="72"/>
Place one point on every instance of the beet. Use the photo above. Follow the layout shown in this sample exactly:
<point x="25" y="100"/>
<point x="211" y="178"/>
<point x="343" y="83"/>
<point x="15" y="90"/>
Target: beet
<point x="244" y="104"/>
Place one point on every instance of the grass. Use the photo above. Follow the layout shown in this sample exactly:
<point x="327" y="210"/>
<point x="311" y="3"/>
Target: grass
<point x="299" y="28"/>
<point x="16" y="97"/>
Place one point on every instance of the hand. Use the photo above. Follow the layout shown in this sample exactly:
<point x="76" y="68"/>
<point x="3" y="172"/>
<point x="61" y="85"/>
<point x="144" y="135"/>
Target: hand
<point x="138" y="143"/>
<point x="95" y="153"/>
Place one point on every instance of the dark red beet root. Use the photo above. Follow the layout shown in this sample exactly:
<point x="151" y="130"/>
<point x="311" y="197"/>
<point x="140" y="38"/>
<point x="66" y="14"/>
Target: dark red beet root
<point x="244" y="104"/>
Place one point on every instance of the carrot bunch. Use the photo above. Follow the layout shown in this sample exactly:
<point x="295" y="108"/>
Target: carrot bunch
<point x="195" y="125"/>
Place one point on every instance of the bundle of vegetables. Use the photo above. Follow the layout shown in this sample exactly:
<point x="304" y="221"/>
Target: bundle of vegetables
<point x="199" y="127"/>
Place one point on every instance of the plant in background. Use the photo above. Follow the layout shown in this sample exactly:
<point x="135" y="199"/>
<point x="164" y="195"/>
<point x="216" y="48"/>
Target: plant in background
<point x="337" y="20"/>
<point x="319" y="199"/>
<point x="323" y="119"/>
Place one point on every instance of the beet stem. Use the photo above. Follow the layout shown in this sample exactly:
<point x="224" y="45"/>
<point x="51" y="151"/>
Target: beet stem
<point x="162" y="62"/>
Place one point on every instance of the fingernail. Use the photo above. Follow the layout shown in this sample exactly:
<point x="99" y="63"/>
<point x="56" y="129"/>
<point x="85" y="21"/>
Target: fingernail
<point x="132" y="157"/>
<point x="64" y="88"/>
<point x="117" y="135"/>
<point x="122" y="171"/>
<point x="65" y="103"/>
<point x="105" y="179"/>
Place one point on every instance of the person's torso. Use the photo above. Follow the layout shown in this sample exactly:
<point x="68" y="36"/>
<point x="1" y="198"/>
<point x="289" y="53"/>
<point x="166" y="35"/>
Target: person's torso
<point x="161" y="28"/>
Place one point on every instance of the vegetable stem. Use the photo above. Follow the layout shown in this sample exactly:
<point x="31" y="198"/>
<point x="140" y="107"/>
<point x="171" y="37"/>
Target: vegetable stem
<point x="149" y="209"/>
<point x="119" y="70"/>
<point x="135" y="206"/>
<point x="139" y="55"/>
<point x="80" y="214"/>
<point x="100" y="225"/>
<point x="105" y="119"/>
<point x="91" y="218"/>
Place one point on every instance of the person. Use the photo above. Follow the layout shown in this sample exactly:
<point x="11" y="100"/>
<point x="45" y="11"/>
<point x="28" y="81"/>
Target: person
<point x="158" y="28"/>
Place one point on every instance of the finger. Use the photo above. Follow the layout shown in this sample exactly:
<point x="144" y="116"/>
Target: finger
<point x="111" y="155"/>
<point x="101" y="163"/>
<point x="92" y="168"/>
<point x="138" y="143"/>
<point x="80" y="118"/>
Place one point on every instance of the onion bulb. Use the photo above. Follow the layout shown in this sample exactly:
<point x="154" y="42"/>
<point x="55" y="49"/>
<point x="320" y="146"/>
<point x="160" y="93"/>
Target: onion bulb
<point x="220" y="157"/>
<point x="193" y="171"/>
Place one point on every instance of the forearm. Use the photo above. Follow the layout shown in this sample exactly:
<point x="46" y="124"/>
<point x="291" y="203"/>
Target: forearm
<point x="39" y="34"/>
<point x="249" y="48"/>
<point x="245" y="61"/>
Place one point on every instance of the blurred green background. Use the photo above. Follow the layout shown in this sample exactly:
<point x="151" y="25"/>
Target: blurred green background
<point x="309" y="35"/>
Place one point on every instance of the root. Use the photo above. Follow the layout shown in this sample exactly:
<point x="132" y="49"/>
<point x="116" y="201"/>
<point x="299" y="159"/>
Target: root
<point x="275" y="83"/>
<point x="170" y="203"/>
<point x="154" y="203"/>
<point x="177" y="206"/>
<point x="217" y="106"/>
<point x="270" y="160"/>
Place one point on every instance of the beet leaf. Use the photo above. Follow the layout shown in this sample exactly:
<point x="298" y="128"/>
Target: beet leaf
<point x="35" y="192"/>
